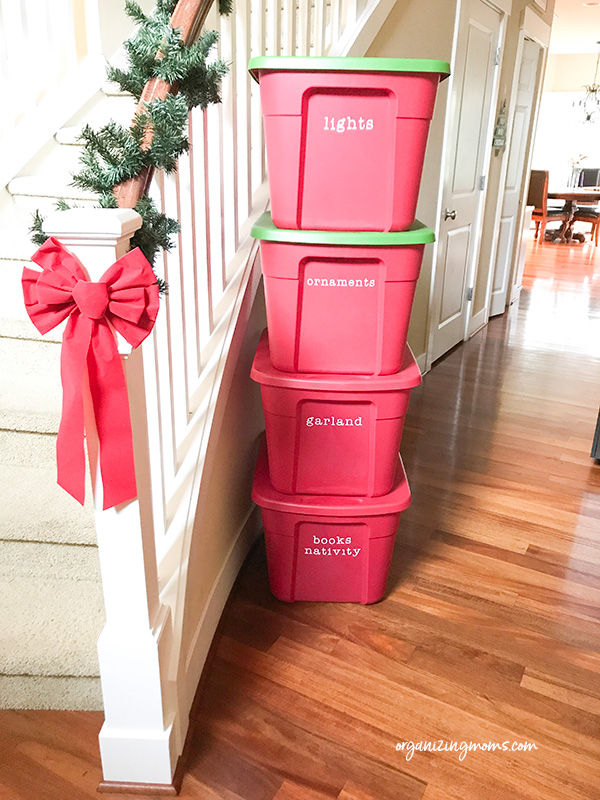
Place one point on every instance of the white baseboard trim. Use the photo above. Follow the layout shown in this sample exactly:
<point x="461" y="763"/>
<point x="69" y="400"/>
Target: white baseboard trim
<point x="422" y="362"/>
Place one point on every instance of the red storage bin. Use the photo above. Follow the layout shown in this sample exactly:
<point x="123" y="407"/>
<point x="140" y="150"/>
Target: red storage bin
<point x="339" y="302"/>
<point x="346" y="138"/>
<point x="333" y="434"/>
<point x="335" y="549"/>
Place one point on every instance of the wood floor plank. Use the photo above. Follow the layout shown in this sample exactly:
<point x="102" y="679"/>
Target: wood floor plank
<point x="500" y="578"/>
<point x="291" y="750"/>
<point x="578" y="698"/>
<point x="62" y="763"/>
<point x="351" y="667"/>
<point x="353" y="792"/>
<point x="295" y="791"/>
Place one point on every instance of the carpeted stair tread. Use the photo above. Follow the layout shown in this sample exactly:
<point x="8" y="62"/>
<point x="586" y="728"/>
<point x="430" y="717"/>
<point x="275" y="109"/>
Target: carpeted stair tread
<point x="12" y="307"/>
<point x="50" y="692"/>
<point x="48" y="186"/>
<point x="30" y="391"/>
<point x="34" y="507"/>
<point x="50" y="626"/>
<point x="41" y="193"/>
<point x="20" y="559"/>
<point x="14" y="322"/>
<point x="69" y="135"/>
<point x="24" y="329"/>
<point x="111" y="89"/>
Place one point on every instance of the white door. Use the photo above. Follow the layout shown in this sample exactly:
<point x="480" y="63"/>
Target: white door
<point x="514" y="176"/>
<point x="467" y="160"/>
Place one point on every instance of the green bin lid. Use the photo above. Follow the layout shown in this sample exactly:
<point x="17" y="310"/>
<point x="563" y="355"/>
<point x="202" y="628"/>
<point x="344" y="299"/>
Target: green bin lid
<point x="343" y="64"/>
<point x="416" y="234"/>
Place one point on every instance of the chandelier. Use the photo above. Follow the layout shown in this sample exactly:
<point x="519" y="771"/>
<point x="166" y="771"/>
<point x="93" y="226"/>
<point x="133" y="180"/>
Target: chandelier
<point x="590" y="104"/>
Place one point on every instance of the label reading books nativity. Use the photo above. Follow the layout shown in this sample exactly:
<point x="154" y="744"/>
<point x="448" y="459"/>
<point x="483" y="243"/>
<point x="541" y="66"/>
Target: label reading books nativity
<point x="336" y="546"/>
<point x="332" y="561"/>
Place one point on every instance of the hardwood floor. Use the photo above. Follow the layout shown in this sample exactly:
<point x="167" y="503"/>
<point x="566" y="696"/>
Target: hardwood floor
<point x="489" y="632"/>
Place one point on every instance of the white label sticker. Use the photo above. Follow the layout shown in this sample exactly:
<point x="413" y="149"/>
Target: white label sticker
<point x="332" y="546"/>
<point x="347" y="124"/>
<point x="337" y="422"/>
<point x="353" y="283"/>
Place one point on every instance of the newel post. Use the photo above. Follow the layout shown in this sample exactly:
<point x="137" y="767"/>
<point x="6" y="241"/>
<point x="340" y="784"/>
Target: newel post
<point x="138" y="741"/>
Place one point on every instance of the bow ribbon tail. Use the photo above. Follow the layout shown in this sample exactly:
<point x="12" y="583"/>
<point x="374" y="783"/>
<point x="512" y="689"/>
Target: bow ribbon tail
<point x="113" y="422"/>
<point x="70" y="453"/>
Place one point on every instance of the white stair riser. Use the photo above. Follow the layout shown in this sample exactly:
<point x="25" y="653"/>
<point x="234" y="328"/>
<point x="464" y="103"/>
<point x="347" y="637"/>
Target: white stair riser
<point x="119" y="108"/>
<point x="26" y="205"/>
<point x="12" y="306"/>
<point x="30" y="385"/>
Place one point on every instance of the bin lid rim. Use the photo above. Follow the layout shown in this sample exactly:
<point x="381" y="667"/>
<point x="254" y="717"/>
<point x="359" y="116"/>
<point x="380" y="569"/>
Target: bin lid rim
<point x="347" y="63"/>
<point x="264" y="229"/>
<point x="264" y="495"/>
<point x="263" y="372"/>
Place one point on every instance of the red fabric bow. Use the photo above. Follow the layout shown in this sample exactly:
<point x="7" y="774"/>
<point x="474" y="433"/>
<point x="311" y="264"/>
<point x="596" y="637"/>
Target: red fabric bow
<point x="126" y="300"/>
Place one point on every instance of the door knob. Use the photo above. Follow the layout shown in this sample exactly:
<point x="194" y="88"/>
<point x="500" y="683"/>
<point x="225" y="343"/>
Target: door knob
<point x="449" y="214"/>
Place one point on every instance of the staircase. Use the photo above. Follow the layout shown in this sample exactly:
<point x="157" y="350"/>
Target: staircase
<point x="51" y="604"/>
<point x="170" y="557"/>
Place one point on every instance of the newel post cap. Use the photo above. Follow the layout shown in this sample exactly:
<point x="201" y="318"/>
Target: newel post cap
<point x="94" y="223"/>
<point x="97" y="236"/>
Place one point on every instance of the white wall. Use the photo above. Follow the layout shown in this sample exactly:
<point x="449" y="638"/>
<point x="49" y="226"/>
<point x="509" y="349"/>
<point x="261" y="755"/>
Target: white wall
<point x="409" y="32"/>
<point x="115" y="25"/>
<point x="563" y="136"/>
<point x="222" y="530"/>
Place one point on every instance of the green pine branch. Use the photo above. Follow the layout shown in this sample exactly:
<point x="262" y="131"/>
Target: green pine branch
<point x="155" y="233"/>
<point x="36" y="229"/>
<point x="110" y="155"/>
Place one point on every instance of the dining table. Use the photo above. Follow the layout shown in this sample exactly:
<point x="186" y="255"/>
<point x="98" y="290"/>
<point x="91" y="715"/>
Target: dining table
<point x="572" y="197"/>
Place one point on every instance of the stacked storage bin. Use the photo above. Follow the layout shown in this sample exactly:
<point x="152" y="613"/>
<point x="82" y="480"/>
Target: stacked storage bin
<point x="341" y="256"/>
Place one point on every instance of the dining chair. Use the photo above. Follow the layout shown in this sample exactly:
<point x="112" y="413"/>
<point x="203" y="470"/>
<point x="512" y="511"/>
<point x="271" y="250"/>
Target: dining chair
<point x="589" y="212"/>
<point x="538" y="198"/>
<point x="590" y="176"/>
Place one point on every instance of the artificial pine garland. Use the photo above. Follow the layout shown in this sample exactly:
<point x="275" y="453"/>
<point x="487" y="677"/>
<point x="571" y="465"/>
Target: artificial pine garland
<point x="114" y="154"/>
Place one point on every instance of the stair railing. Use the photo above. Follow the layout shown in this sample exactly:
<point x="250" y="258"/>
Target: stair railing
<point x="169" y="558"/>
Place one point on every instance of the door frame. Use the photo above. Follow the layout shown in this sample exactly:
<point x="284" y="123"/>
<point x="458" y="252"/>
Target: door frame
<point x="505" y="8"/>
<point x="534" y="28"/>
<point x="493" y="266"/>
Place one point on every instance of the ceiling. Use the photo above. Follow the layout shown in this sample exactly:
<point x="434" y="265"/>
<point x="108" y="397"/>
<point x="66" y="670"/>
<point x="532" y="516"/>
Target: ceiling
<point x="576" y="27"/>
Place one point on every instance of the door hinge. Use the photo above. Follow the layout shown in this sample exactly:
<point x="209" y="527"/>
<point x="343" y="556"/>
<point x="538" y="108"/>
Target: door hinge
<point x="469" y="294"/>
<point x="482" y="183"/>
<point x="498" y="54"/>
